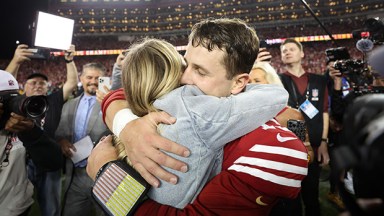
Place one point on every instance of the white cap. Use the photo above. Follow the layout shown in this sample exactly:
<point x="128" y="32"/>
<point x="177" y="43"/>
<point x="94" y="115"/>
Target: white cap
<point x="7" y="81"/>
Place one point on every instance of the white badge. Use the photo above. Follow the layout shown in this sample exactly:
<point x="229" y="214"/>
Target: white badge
<point x="309" y="109"/>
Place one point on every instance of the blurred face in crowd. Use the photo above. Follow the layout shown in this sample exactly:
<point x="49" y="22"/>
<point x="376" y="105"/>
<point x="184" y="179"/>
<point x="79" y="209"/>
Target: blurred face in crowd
<point x="206" y="70"/>
<point x="36" y="86"/>
<point x="89" y="80"/>
<point x="291" y="53"/>
<point x="257" y="76"/>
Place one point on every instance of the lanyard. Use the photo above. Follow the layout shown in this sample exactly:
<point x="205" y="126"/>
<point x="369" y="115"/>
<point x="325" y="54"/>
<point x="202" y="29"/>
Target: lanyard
<point x="7" y="151"/>
<point x="295" y="93"/>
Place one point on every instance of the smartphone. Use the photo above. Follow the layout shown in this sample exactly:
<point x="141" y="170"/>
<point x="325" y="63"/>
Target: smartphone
<point x="298" y="127"/>
<point x="264" y="44"/>
<point x="104" y="81"/>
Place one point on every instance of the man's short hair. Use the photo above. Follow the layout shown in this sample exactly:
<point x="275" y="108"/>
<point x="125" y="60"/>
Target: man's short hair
<point x="41" y="75"/>
<point x="291" y="40"/>
<point x="96" y="66"/>
<point x="234" y="37"/>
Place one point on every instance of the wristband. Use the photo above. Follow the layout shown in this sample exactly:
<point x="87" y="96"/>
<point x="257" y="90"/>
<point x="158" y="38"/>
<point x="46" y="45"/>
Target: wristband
<point x="109" y="98"/>
<point x="324" y="140"/>
<point x="122" y="118"/>
<point x="68" y="61"/>
<point x="119" y="189"/>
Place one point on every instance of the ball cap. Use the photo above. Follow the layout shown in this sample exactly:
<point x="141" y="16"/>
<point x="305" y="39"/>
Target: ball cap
<point x="37" y="75"/>
<point x="7" y="81"/>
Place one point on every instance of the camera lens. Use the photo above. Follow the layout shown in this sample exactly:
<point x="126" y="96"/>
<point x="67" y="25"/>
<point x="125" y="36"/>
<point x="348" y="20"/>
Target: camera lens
<point x="34" y="106"/>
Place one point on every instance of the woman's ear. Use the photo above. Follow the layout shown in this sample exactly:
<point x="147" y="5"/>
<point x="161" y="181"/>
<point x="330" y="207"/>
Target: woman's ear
<point x="240" y="81"/>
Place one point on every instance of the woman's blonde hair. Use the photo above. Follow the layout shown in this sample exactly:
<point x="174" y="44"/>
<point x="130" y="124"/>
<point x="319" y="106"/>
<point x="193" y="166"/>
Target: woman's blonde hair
<point x="151" y="69"/>
<point x="270" y="73"/>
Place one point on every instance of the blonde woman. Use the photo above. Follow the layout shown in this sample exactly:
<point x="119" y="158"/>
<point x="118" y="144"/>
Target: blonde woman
<point x="264" y="73"/>
<point x="151" y="75"/>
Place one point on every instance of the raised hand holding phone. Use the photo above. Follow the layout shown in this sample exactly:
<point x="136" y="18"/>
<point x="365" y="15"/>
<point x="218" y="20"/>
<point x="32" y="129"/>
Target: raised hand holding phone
<point x="104" y="84"/>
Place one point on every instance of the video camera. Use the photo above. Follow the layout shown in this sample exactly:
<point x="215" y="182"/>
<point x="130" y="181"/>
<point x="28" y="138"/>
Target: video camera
<point x="356" y="71"/>
<point x="31" y="107"/>
<point x="373" y="29"/>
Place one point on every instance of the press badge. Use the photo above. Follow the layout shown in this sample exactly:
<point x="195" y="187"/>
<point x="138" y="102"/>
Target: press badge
<point x="315" y="95"/>
<point x="309" y="109"/>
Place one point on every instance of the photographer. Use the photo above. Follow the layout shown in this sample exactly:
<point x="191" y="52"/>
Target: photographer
<point x="15" y="189"/>
<point x="46" y="182"/>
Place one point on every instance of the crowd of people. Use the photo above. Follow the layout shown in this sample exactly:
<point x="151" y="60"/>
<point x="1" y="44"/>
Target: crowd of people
<point x="200" y="129"/>
<point x="54" y="68"/>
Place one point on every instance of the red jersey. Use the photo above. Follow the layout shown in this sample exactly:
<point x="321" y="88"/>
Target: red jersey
<point x="259" y="168"/>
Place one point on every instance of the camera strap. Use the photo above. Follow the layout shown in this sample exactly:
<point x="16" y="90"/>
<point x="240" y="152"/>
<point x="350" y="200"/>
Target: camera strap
<point x="7" y="150"/>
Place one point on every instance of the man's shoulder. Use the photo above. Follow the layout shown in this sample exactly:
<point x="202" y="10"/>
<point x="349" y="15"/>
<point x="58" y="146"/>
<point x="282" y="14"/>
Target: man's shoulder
<point x="270" y="134"/>
<point x="72" y="102"/>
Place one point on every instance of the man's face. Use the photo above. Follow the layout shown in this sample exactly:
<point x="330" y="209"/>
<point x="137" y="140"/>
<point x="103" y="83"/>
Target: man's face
<point x="291" y="53"/>
<point x="36" y="86"/>
<point x="89" y="80"/>
<point x="206" y="70"/>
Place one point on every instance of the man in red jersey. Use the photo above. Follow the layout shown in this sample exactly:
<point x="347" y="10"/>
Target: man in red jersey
<point x="253" y="178"/>
<point x="259" y="168"/>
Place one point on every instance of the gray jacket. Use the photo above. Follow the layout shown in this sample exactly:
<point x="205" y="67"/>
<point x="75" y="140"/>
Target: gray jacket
<point x="65" y="130"/>
<point x="204" y="125"/>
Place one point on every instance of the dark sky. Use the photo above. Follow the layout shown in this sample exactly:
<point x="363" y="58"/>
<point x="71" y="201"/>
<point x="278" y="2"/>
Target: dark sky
<point x="15" y="17"/>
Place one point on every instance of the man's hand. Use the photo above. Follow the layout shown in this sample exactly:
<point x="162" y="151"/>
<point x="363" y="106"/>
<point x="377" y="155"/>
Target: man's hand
<point x="103" y="153"/>
<point x="263" y="55"/>
<point x="100" y="94"/>
<point x="322" y="154"/>
<point x="119" y="59"/>
<point x="67" y="148"/>
<point x="143" y="144"/>
<point x="22" y="53"/>
<point x="336" y="76"/>
<point x="70" y="53"/>
<point x="17" y="123"/>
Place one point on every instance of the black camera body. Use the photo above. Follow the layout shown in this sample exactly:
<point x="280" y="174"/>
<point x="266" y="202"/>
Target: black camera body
<point x="31" y="107"/>
<point x="349" y="66"/>
<point x="339" y="53"/>
<point x="355" y="70"/>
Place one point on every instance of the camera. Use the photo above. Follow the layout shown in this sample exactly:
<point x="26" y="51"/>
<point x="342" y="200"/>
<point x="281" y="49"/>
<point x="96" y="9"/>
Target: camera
<point x="355" y="70"/>
<point x="339" y="53"/>
<point x="31" y="107"/>
<point x="373" y="29"/>
<point x="349" y="66"/>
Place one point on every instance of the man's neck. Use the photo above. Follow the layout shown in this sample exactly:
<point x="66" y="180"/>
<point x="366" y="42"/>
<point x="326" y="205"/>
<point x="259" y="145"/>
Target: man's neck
<point x="295" y="69"/>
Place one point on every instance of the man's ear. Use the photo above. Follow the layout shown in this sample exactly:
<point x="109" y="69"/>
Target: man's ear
<point x="240" y="81"/>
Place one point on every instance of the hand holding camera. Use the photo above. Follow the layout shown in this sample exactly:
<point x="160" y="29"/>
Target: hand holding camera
<point x="17" y="123"/>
